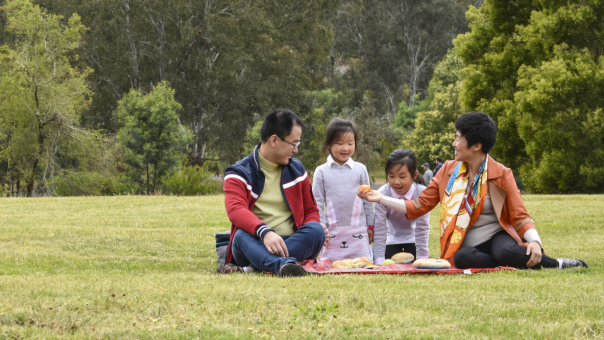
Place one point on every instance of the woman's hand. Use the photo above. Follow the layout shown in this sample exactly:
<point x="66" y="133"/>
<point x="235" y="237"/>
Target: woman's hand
<point x="371" y="196"/>
<point x="534" y="249"/>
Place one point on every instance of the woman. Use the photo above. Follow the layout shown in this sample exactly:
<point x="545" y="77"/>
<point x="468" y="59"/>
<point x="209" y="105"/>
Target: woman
<point x="483" y="221"/>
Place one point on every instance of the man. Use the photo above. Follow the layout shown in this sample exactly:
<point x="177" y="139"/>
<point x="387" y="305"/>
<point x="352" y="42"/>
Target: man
<point x="269" y="201"/>
<point x="439" y="164"/>
<point x="427" y="173"/>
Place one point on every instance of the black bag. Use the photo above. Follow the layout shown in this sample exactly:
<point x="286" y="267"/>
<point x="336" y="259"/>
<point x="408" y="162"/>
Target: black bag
<point x="222" y="242"/>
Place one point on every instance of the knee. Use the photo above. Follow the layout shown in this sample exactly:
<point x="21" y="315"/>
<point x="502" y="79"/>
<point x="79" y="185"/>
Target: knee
<point x="462" y="257"/>
<point x="316" y="231"/>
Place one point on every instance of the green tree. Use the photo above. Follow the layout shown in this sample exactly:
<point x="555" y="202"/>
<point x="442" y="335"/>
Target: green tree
<point x="151" y="133"/>
<point x="537" y="68"/>
<point x="41" y="94"/>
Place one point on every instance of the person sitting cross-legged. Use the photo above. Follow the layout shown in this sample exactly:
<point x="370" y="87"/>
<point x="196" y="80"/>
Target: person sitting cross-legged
<point x="269" y="201"/>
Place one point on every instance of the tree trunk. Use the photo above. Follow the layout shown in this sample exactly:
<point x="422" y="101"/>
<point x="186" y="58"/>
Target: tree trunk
<point x="154" y="178"/>
<point x="147" y="179"/>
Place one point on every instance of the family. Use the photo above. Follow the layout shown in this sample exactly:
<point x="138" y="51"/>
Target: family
<point x="279" y="218"/>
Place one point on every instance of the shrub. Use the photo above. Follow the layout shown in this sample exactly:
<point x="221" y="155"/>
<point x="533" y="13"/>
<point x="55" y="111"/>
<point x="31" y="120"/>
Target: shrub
<point x="191" y="181"/>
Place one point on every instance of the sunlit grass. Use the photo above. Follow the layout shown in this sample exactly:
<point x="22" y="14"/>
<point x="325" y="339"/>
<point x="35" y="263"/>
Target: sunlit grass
<point x="143" y="267"/>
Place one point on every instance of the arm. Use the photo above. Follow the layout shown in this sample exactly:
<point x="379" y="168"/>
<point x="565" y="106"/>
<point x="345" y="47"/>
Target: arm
<point x="318" y="190"/>
<point x="367" y="206"/>
<point x="519" y="216"/>
<point x="237" y="207"/>
<point x="311" y="213"/>
<point x="380" y="234"/>
<point x="430" y="197"/>
<point x="422" y="232"/>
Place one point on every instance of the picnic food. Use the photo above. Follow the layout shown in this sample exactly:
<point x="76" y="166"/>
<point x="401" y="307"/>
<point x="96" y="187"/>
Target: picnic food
<point x="432" y="264"/>
<point x="387" y="262"/>
<point x="402" y="257"/>
<point x="358" y="262"/>
<point x="365" y="188"/>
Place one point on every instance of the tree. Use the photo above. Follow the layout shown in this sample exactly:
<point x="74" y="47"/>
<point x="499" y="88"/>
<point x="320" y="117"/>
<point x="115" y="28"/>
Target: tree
<point x="41" y="94"/>
<point x="151" y="134"/>
<point x="536" y="67"/>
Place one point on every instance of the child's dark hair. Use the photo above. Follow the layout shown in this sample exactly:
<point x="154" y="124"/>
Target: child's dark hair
<point x="407" y="158"/>
<point x="336" y="128"/>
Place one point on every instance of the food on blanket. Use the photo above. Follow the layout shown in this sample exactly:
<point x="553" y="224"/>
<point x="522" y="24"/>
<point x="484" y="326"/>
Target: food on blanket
<point x="387" y="262"/>
<point x="432" y="264"/>
<point x="403" y="258"/>
<point x="358" y="262"/>
<point x="365" y="188"/>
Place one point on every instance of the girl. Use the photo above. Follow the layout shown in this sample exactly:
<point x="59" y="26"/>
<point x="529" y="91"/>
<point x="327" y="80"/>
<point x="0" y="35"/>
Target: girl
<point x="394" y="233"/>
<point x="335" y="184"/>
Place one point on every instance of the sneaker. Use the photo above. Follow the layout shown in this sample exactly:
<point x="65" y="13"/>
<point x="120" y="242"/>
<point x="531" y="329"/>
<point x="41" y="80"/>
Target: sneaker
<point x="292" y="269"/>
<point x="570" y="263"/>
<point x="231" y="268"/>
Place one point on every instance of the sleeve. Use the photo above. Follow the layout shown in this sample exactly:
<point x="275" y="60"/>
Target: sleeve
<point x="367" y="206"/>
<point x="422" y="233"/>
<point x="237" y="207"/>
<point x="429" y="198"/>
<point x="519" y="216"/>
<point x="311" y="213"/>
<point x="532" y="235"/>
<point x="380" y="233"/>
<point x="318" y="189"/>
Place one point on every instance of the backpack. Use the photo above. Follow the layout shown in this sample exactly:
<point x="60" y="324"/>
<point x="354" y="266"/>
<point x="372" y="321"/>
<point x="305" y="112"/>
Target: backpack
<point x="222" y="242"/>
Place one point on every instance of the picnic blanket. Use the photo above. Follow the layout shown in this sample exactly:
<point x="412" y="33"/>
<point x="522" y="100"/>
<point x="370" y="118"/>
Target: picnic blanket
<point x="324" y="267"/>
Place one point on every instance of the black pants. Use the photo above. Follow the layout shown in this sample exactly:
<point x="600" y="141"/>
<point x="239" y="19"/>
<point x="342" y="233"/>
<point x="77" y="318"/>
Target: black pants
<point x="501" y="250"/>
<point x="392" y="249"/>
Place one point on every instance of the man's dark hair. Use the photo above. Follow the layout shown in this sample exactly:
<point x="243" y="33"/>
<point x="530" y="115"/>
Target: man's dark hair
<point x="439" y="159"/>
<point x="478" y="127"/>
<point x="336" y="128"/>
<point x="279" y="122"/>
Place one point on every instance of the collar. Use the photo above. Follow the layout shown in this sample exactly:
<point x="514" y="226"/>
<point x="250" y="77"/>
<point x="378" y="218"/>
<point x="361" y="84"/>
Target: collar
<point x="494" y="168"/>
<point x="407" y="196"/>
<point x="331" y="161"/>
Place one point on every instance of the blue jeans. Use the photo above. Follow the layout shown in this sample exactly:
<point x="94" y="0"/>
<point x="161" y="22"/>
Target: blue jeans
<point x="302" y="245"/>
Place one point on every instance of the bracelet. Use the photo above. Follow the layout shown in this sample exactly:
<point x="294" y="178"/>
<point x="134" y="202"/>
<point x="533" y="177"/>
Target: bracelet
<point x="370" y="227"/>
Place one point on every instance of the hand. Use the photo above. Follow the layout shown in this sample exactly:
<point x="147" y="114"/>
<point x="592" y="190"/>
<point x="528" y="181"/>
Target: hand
<point x="275" y="244"/>
<point x="327" y="237"/>
<point x="370" y="234"/>
<point x="371" y="196"/>
<point x="534" y="249"/>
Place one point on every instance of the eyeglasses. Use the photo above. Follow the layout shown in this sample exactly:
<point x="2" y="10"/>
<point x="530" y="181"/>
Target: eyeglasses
<point x="292" y="144"/>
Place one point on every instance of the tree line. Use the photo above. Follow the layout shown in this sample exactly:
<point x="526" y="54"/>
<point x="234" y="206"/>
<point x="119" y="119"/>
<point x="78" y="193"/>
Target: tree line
<point x="127" y="96"/>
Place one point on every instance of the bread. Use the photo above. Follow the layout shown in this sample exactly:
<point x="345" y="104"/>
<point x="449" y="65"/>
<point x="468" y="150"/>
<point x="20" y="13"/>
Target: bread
<point x="432" y="264"/>
<point x="402" y="258"/>
<point x="358" y="262"/>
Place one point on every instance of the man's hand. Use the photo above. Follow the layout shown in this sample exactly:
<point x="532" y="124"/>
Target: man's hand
<point x="534" y="249"/>
<point x="370" y="234"/>
<point x="371" y="196"/>
<point x="275" y="244"/>
<point x="327" y="237"/>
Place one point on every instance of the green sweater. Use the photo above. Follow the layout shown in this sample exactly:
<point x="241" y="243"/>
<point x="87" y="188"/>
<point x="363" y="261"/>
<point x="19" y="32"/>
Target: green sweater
<point x="270" y="206"/>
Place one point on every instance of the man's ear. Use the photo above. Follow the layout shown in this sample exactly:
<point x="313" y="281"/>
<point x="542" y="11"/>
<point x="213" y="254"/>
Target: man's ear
<point x="273" y="141"/>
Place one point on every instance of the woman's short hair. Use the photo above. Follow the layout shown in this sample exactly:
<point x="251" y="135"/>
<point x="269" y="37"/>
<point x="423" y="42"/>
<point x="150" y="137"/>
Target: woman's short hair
<point x="336" y="128"/>
<point x="279" y="122"/>
<point x="478" y="127"/>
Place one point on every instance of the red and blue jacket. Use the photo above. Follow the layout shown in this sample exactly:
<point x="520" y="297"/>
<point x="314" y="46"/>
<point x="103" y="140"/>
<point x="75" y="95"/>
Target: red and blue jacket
<point x="243" y="184"/>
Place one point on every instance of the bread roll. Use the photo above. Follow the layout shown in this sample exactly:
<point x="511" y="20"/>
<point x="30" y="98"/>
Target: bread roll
<point x="403" y="258"/>
<point x="432" y="264"/>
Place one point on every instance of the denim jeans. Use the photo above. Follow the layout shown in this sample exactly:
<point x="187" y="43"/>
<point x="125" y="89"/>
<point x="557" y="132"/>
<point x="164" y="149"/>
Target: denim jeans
<point x="304" y="244"/>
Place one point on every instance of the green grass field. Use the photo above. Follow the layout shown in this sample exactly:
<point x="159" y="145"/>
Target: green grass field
<point x="143" y="268"/>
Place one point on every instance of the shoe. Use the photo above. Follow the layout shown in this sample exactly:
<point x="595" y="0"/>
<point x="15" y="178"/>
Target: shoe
<point x="570" y="263"/>
<point x="231" y="268"/>
<point x="292" y="269"/>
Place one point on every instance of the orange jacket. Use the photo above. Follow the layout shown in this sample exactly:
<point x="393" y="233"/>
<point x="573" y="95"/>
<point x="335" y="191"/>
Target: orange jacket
<point x="505" y="196"/>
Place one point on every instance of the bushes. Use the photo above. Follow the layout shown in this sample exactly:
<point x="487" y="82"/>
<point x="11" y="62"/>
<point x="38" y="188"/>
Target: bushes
<point x="191" y="181"/>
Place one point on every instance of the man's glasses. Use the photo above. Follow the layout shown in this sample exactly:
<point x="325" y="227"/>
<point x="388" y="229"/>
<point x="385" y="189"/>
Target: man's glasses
<point x="292" y="144"/>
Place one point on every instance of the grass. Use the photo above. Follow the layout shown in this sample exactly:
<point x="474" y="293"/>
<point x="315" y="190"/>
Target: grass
<point x="143" y="268"/>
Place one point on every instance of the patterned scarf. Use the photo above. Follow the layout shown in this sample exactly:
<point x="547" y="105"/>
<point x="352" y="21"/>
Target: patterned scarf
<point x="457" y="210"/>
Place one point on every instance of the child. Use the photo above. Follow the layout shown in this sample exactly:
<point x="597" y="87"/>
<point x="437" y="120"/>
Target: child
<point x="335" y="184"/>
<point x="394" y="233"/>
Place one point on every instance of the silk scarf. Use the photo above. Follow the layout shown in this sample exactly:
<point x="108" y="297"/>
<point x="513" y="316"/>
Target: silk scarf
<point x="457" y="208"/>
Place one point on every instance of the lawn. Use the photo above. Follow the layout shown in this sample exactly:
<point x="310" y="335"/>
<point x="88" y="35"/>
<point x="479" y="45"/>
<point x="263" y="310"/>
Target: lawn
<point x="143" y="268"/>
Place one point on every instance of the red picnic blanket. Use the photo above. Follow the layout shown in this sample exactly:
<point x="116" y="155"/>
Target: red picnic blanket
<point x="324" y="267"/>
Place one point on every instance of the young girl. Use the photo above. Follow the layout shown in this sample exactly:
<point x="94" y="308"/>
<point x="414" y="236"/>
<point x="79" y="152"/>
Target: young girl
<point x="335" y="184"/>
<point x="394" y="233"/>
